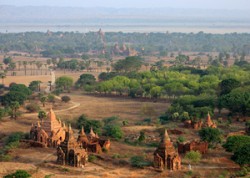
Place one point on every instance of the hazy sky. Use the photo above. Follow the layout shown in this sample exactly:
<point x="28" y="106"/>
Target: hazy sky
<point x="206" y="4"/>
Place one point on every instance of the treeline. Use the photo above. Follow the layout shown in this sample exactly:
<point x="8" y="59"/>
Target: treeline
<point x="60" y="44"/>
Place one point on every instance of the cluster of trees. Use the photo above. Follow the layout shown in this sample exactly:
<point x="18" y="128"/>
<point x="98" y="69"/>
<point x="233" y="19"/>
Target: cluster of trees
<point x="17" y="95"/>
<point x="240" y="146"/>
<point x="195" y="92"/>
<point x="108" y="127"/>
<point x="69" y="43"/>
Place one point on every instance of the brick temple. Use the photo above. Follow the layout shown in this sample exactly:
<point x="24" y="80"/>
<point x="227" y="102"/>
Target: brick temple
<point x="69" y="152"/>
<point x="92" y="142"/>
<point x="165" y="156"/>
<point x="50" y="132"/>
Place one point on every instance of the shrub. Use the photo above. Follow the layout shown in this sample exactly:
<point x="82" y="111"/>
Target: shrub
<point x="65" y="99"/>
<point x="51" y="98"/>
<point x="18" y="174"/>
<point x="193" y="156"/>
<point x="14" y="137"/>
<point x="181" y="139"/>
<point x="142" y="137"/>
<point x="139" y="162"/>
<point x="110" y="120"/>
<point x="92" y="158"/>
<point x="116" y="156"/>
<point x="33" y="107"/>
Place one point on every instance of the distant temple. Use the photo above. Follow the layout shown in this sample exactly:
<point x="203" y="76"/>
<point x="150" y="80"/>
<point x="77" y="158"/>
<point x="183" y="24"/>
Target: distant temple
<point x="199" y="124"/>
<point x="165" y="156"/>
<point x="69" y="152"/>
<point x="92" y="142"/>
<point x="49" y="132"/>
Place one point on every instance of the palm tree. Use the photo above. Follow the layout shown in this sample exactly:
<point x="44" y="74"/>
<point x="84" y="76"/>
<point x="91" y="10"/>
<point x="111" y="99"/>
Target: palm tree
<point x="25" y="67"/>
<point x="3" y="76"/>
<point x="19" y="65"/>
<point x="46" y="69"/>
<point x="39" y="66"/>
<point x="31" y="71"/>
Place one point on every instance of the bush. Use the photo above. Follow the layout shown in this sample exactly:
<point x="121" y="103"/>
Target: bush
<point x="33" y="107"/>
<point x="235" y="142"/>
<point x="138" y="161"/>
<point x="181" y="139"/>
<point x="14" y="137"/>
<point x="193" y="156"/>
<point x="142" y="137"/>
<point x="51" y="98"/>
<point x="65" y="99"/>
<point x="92" y="158"/>
<point x="113" y="131"/>
<point x="110" y="120"/>
<point x="18" y="174"/>
<point x="242" y="173"/>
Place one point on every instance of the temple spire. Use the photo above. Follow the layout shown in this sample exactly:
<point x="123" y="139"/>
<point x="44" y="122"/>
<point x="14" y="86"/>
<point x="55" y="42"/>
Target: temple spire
<point x="166" y="137"/>
<point x="92" y="133"/>
<point x="82" y="131"/>
<point x="38" y="124"/>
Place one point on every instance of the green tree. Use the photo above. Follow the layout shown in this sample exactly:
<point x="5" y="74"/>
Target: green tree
<point x="35" y="85"/>
<point x="156" y="92"/>
<point x="7" y="60"/>
<point x="43" y="100"/>
<point x="236" y="101"/>
<point x="85" y="79"/>
<point x="25" y="63"/>
<point x="235" y="142"/>
<point x="13" y="96"/>
<point x="228" y="85"/>
<point x="83" y="121"/>
<point x="211" y="135"/>
<point x="113" y="131"/>
<point x="2" y="112"/>
<point x="64" y="82"/>
<point x="193" y="156"/>
<point x="42" y="115"/>
<point x="3" y="76"/>
<point x="14" y="106"/>
<point x="20" y="88"/>
<point x="129" y="64"/>
<point x="242" y="155"/>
